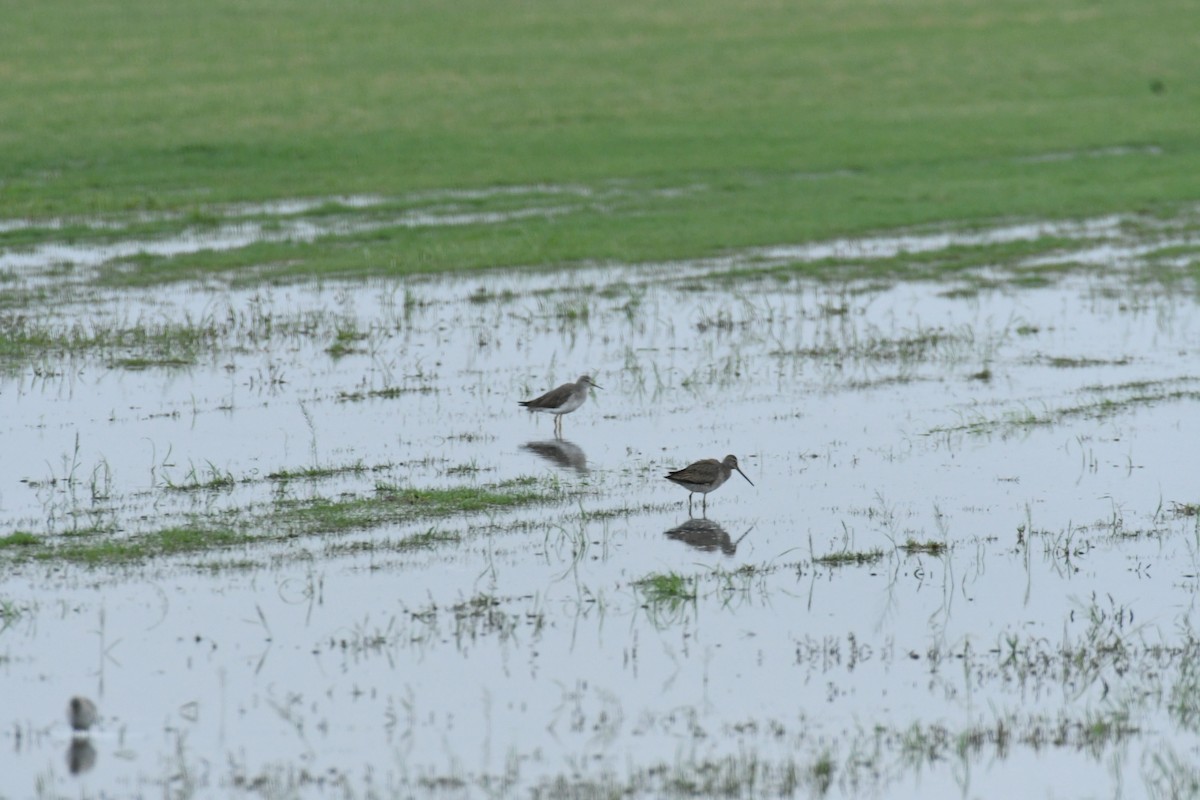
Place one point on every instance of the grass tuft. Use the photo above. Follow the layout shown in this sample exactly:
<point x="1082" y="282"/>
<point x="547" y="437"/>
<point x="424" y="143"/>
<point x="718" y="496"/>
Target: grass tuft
<point x="848" y="557"/>
<point x="166" y="542"/>
<point x="670" y="588"/>
<point x="928" y="547"/>
<point x="20" y="539"/>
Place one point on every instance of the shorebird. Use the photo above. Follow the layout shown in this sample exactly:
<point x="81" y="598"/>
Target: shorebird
<point x="81" y="713"/>
<point x="705" y="476"/>
<point x="563" y="400"/>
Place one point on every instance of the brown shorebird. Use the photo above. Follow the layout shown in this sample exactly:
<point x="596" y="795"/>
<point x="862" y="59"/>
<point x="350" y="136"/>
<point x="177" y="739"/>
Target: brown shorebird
<point x="563" y="400"/>
<point x="705" y="476"/>
<point x="81" y="713"/>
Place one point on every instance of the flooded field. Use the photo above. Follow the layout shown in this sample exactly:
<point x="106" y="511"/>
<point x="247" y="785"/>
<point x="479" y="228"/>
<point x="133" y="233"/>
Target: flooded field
<point x="300" y="540"/>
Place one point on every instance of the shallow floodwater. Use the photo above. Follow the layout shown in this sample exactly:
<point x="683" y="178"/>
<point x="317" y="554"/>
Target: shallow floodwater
<point x="967" y="565"/>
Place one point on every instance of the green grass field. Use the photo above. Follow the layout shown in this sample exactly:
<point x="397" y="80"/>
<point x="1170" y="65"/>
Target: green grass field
<point x="782" y="122"/>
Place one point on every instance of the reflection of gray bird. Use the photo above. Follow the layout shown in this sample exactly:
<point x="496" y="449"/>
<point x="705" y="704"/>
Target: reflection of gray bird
<point x="562" y="400"/>
<point x="81" y="713"/>
<point x="706" y="535"/>
<point x="561" y="453"/>
<point x="705" y="476"/>
<point x="81" y="756"/>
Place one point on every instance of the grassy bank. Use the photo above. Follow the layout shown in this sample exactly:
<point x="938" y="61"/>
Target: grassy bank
<point x="770" y="122"/>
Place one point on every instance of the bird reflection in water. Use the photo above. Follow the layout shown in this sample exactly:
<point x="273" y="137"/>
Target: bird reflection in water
<point x="561" y="453"/>
<point x="81" y="756"/>
<point x="706" y="535"/>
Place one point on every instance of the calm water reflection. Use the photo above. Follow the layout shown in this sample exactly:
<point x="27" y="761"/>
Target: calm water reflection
<point x="706" y="535"/>
<point x="81" y="756"/>
<point x="561" y="453"/>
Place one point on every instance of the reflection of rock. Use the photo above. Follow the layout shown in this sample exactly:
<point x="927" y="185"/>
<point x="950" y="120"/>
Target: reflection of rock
<point x="561" y="453"/>
<point x="81" y="756"/>
<point x="706" y="535"/>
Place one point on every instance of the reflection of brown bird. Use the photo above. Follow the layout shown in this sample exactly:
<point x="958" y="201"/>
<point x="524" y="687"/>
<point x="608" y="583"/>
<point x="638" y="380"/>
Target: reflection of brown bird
<point x="705" y="535"/>
<point x="705" y="476"/>
<point x="561" y="453"/>
<point x="81" y="713"/>
<point x="81" y="756"/>
<point x="562" y="400"/>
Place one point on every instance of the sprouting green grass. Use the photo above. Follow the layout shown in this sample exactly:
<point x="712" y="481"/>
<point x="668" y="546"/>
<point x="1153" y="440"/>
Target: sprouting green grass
<point x="425" y="540"/>
<point x="10" y="612"/>
<point x="984" y="375"/>
<point x="24" y="338"/>
<point x="391" y="504"/>
<point x="202" y="479"/>
<point x="573" y="311"/>
<point x="20" y="539"/>
<point x="213" y="566"/>
<point x="346" y="341"/>
<point x="1066" y="362"/>
<point x="821" y="773"/>
<point x="1185" y="509"/>
<point x="167" y="542"/>
<point x="287" y="519"/>
<point x="929" y="547"/>
<point x="1100" y="402"/>
<point x="389" y="393"/>
<point x="909" y="347"/>
<point x="848" y="557"/>
<point x="319" y="473"/>
<point x="669" y="588"/>
<point x="149" y="362"/>
<point x="212" y="478"/>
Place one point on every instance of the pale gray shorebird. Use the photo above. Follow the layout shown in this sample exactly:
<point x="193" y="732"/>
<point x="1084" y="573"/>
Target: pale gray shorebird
<point x="705" y="476"/>
<point x="81" y="713"/>
<point x="563" y="400"/>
